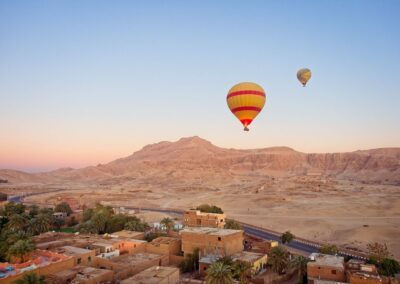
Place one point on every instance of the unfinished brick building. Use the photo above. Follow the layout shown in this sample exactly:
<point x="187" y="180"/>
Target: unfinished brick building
<point x="326" y="267"/>
<point x="195" y="218"/>
<point x="212" y="241"/>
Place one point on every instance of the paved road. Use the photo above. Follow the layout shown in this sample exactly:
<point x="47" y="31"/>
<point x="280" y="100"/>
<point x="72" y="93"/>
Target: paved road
<point x="19" y="198"/>
<point x="301" y="245"/>
<point x="263" y="234"/>
<point x="15" y="198"/>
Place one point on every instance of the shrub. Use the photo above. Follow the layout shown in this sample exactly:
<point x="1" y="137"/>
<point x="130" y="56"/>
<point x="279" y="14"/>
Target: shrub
<point x="232" y="224"/>
<point x="210" y="209"/>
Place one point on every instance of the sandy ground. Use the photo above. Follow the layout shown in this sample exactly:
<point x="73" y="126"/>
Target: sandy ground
<point x="339" y="212"/>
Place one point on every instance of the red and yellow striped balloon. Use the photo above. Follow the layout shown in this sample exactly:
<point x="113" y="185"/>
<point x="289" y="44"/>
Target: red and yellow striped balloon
<point x="246" y="100"/>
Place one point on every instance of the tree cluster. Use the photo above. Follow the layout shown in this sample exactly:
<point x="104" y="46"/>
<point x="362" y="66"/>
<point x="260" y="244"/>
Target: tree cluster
<point x="380" y="256"/>
<point x="102" y="219"/>
<point x="63" y="207"/>
<point x="209" y="209"/>
<point x="18" y="224"/>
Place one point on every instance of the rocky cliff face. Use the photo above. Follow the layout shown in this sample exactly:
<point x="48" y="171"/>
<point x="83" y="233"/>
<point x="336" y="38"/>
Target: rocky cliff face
<point x="196" y="161"/>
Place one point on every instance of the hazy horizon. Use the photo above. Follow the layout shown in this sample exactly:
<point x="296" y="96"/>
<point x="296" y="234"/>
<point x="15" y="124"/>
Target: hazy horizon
<point x="38" y="170"/>
<point x="83" y="83"/>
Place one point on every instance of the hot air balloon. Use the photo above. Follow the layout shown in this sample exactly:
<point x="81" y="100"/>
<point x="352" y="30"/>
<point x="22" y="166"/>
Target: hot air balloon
<point x="246" y="100"/>
<point x="303" y="75"/>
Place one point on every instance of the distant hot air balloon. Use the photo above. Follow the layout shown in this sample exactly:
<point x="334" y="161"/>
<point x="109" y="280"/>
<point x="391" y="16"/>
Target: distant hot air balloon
<point x="303" y="75"/>
<point x="246" y="100"/>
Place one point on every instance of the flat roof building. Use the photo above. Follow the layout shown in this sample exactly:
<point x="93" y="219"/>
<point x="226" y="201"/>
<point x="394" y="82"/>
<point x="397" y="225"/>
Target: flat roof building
<point x="258" y="261"/>
<point x="126" y="234"/>
<point x="81" y="256"/>
<point x="325" y="267"/>
<point x="165" y="245"/>
<point x="81" y="275"/>
<point x="128" y="265"/>
<point x="155" y="275"/>
<point x="196" y="218"/>
<point x="41" y="262"/>
<point x="216" y="241"/>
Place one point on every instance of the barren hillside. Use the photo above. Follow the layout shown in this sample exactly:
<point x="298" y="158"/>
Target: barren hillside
<point x="194" y="160"/>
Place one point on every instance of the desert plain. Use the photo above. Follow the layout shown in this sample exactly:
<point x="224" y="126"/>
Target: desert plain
<point x="348" y="199"/>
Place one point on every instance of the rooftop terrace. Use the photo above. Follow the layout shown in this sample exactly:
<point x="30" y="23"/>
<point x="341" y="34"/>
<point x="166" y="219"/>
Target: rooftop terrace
<point x="85" y="272"/>
<point x="39" y="258"/>
<point x="154" y="274"/>
<point x="72" y="251"/>
<point x="198" y="212"/>
<point x="137" y="258"/>
<point x="247" y="256"/>
<point x="210" y="231"/>
<point x="164" y="240"/>
<point x="128" y="234"/>
<point x="326" y="260"/>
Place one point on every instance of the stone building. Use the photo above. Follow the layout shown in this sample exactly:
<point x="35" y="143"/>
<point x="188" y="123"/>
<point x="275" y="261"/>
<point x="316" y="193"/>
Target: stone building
<point x="196" y="218"/>
<point x="155" y="275"/>
<point x="125" y="266"/>
<point x="223" y="242"/>
<point x="326" y="268"/>
<point x="126" y="234"/>
<point x="80" y="256"/>
<point x="41" y="263"/>
<point x="81" y="275"/>
<point x="165" y="245"/>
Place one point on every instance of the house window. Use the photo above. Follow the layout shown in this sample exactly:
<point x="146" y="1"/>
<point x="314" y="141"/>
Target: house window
<point x="219" y="238"/>
<point x="333" y="271"/>
<point x="79" y="261"/>
<point x="204" y="268"/>
<point x="89" y="258"/>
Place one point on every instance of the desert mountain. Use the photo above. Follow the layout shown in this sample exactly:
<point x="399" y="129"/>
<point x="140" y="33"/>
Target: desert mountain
<point x="196" y="161"/>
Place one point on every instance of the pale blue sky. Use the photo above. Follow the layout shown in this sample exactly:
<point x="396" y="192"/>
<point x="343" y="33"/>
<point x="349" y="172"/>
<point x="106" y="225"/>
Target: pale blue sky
<point x="84" y="82"/>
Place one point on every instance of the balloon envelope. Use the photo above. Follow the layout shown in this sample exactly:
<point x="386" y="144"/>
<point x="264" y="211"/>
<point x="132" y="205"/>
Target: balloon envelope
<point x="246" y="100"/>
<point x="303" y="75"/>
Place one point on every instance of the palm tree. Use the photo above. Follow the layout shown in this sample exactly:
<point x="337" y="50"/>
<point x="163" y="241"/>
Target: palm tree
<point x="242" y="271"/>
<point x="99" y="221"/>
<point x="40" y="224"/>
<point x="33" y="210"/>
<point x="30" y="278"/>
<point x="299" y="263"/>
<point x="13" y="237"/>
<point x="219" y="273"/>
<point x="21" y="249"/>
<point x="227" y="260"/>
<point x="167" y="222"/>
<point x="63" y="207"/>
<point x="16" y="223"/>
<point x="278" y="258"/>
